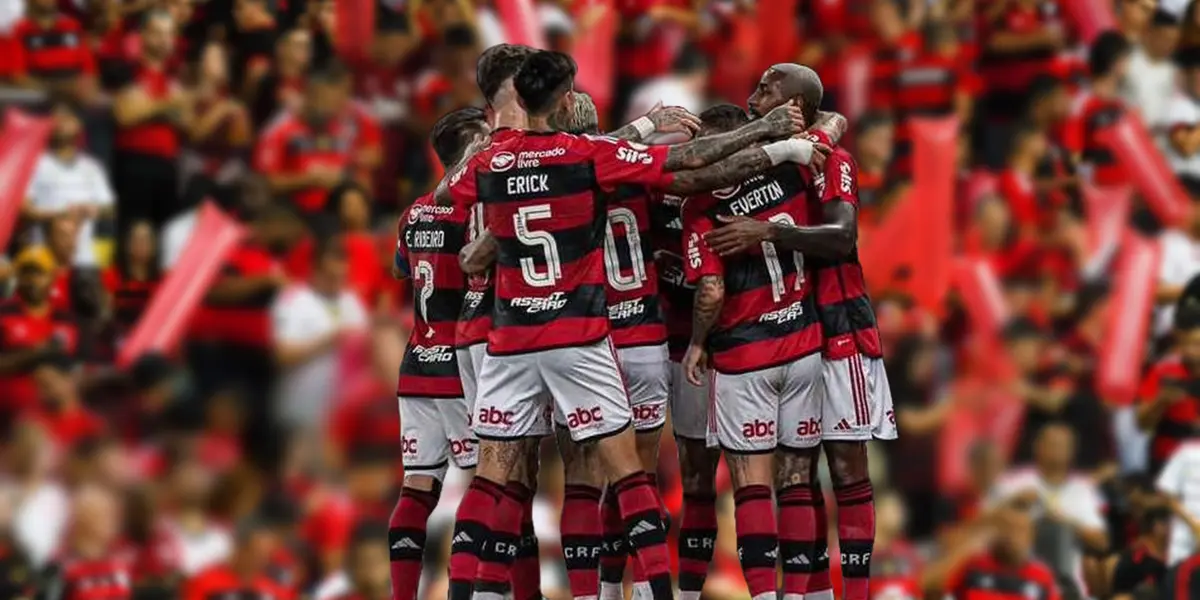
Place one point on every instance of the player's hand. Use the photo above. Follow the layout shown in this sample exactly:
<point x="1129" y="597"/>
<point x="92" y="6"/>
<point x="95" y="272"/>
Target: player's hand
<point x="673" y="119"/>
<point x="785" y="121"/>
<point x="738" y="235"/>
<point x="820" y="154"/>
<point x="695" y="363"/>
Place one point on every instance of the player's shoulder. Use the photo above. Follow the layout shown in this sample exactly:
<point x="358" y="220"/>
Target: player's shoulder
<point x="842" y="154"/>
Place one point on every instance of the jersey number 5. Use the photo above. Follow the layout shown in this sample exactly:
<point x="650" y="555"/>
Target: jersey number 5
<point x="534" y="237"/>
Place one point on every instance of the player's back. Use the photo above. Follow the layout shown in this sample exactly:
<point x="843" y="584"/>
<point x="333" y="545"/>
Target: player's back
<point x="847" y="315"/>
<point x="675" y="292"/>
<point x="427" y="248"/>
<point x="768" y="317"/>
<point x="632" y="278"/>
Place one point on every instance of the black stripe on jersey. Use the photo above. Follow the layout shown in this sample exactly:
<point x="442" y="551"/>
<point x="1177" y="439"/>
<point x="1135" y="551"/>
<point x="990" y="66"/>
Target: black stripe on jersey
<point x="434" y="237"/>
<point x="582" y="302"/>
<point x="1005" y="583"/>
<point x="626" y="191"/>
<point x="762" y="329"/>
<point x="573" y="244"/>
<point x="646" y="310"/>
<point x="816" y="263"/>
<point x="549" y="181"/>
<point x="749" y="273"/>
<point x="761" y="193"/>
<point x="428" y="361"/>
<point x="847" y="316"/>
<point x="442" y="305"/>
<point x="478" y="304"/>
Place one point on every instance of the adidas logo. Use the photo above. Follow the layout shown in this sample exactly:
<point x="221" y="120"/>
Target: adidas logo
<point x="772" y="554"/>
<point x="799" y="559"/>
<point x="842" y="425"/>
<point x="462" y="538"/>
<point x="642" y="527"/>
<point x="405" y="544"/>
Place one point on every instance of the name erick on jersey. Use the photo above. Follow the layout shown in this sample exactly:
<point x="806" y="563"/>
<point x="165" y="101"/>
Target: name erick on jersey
<point x="427" y="247"/>
<point x="677" y="295"/>
<point x="633" y="303"/>
<point x="544" y="196"/>
<point x="847" y="317"/>
<point x="769" y="317"/>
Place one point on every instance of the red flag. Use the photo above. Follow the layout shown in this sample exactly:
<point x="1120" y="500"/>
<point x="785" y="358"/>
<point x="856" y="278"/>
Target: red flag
<point x="779" y="46"/>
<point x="1090" y="18"/>
<point x="521" y="23"/>
<point x="170" y="310"/>
<point x="1124" y="347"/>
<point x="979" y="288"/>
<point x="1107" y="210"/>
<point x="594" y="52"/>
<point x="913" y="249"/>
<point x="1142" y="161"/>
<point x="355" y="28"/>
<point x="856" y="83"/>
<point x="21" y="143"/>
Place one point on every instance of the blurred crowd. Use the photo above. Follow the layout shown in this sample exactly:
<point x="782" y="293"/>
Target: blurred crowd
<point x="263" y="455"/>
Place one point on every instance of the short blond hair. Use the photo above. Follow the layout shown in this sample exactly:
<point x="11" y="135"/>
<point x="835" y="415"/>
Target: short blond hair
<point x="583" y="117"/>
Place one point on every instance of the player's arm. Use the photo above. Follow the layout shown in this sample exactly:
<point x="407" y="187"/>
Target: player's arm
<point x="832" y="124"/>
<point x="400" y="268"/>
<point x="479" y="254"/>
<point x="784" y="121"/>
<point x="703" y="269"/>
<point x="660" y="119"/>
<point x="735" y="169"/>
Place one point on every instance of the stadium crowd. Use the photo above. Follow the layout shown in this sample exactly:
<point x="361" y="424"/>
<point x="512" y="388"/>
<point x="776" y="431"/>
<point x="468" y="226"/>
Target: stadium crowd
<point x="262" y="456"/>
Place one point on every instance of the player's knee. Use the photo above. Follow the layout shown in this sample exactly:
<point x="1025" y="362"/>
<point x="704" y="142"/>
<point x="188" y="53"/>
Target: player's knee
<point x="847" y="462"/>
<point x="647" y="448"/>
<point x="698" y="466"/>
<point x="425" y="481"/>
<point x="749" y="469"/>
<point x="796" y="466"/>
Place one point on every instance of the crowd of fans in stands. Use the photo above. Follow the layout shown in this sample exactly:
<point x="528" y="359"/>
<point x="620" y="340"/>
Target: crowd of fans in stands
<point x="251" y="460"/>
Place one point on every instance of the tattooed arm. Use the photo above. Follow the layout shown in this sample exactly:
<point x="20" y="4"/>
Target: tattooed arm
<point x="669" y="119"/>
<point x="710" y="297"/>
<point x="782" y="122"/>
<point x="832" y="124"/>
<point x="724" y="173"/>
<point x="835" y="238"/>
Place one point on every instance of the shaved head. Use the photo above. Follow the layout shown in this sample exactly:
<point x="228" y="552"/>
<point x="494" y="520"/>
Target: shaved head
<point x="785" y="82"/>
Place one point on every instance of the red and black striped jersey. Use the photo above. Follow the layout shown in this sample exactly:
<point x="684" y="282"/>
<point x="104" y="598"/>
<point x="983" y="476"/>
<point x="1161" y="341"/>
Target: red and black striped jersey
<point x="107" y="578"/>
<point x="985" y="578"/>
<point x="57" y="51"/>
<point x="475" y="318"/>
<point x="768" y="317"/>
<point x="633" y="302"/>
<point x="675" y="293"/>
<point x="427" y="245"/>
<point x="847" y="317"/>
<point x="544" y="196"/>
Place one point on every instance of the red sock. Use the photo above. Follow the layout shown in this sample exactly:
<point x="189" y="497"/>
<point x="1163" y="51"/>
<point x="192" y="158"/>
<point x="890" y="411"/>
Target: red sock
<point x="818" y="580"/>
<point x="758" y="541"/>
<point x="697" y="539"/>
<point x="582" y="538"/>
<point x="647" y="534"/>
<point x="406" y="538"/>
<point x="527" y="569"/>
<point x="615" y="551"/>
<point x="797" y="538"/>
<point x="470" y="530"/>
<point x="499" y="550"/>
<point x="856" y="537"/>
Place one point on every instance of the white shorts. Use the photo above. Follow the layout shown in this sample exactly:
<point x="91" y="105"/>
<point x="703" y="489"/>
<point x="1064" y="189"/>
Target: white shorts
<point x="779" y="406"/>
<point x="646" y="378"/>
<point x="434" y="431"/>
<point x="470" y="366"/>
<point x="858" y="400"/>
<point x="691" y="406"/>
<point x="582" y="386"/>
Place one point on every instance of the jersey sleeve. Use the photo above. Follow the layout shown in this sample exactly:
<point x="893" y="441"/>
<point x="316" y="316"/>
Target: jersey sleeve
<point x="841" y="179"/>
<point x="400" y="257"/>
<point x="618" y="161"/>
<point x="699" y="258"/>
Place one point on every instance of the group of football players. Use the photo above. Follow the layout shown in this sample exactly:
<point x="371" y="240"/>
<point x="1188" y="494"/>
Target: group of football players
<point x="576" y="284"/>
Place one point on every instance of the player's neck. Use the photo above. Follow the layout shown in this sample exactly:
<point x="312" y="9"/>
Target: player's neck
<point x="539" y="123"/>
<point x="1105" y="87"/>
<point x="510" y="116"/>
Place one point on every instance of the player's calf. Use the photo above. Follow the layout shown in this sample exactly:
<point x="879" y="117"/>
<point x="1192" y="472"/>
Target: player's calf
<point x="698" y="527"/>
<point x="803" y="548"/>
<point x="856" y="514"/>
<point x="754" y="513"/>
<point x="580" y="525"/>
<point x="406" y="532"/>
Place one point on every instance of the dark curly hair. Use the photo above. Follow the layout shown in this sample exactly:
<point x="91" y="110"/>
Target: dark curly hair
<point x="543" y="79"/>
